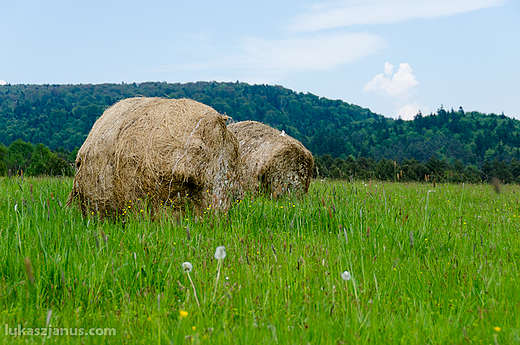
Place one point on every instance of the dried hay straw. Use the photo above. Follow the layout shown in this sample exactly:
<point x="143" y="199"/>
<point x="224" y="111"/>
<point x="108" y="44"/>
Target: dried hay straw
<point x="272" y="161"/>
<point x="165" y="151"/>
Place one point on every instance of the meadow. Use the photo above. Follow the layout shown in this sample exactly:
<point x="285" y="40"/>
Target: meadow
<point x="425" y="266"/>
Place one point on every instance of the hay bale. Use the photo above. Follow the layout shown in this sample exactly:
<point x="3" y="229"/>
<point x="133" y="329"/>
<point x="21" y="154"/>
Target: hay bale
<point x="271" y="160"/>
<point x="165" y="151"/>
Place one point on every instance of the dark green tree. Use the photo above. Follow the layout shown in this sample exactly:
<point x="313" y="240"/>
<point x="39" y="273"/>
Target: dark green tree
<point x="501" y="171"/>
<point x="487" y="170"/>
<point x="413" y="170"/>
<point x="515" y="168"/>
<point x="385" y="170"/>
<point x="436" y="167"/>
<point x="3" y="154"/>
<point x="45" y="162"/>
<point x="19" y="155"/>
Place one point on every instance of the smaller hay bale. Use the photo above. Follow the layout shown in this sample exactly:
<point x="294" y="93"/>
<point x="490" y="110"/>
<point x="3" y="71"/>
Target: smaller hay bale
<point x="164" y="151"/>
<point x="271" y="160"/>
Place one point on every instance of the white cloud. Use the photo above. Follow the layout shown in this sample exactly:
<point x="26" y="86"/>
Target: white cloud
<point x="408" y="111"/>
<point x="268" y="61"/>
<point x="321" y="52"/>
<point x="3" y="82"/>
<point x="326" y="15"/>
<point x="397" y="85"/>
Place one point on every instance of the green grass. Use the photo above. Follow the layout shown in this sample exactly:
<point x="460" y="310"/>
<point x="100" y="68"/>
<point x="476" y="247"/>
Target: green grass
<point x="280" y="281"/>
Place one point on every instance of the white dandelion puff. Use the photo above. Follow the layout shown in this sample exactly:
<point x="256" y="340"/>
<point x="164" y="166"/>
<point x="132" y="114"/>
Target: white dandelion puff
<point x="187" y="267"/>
<point x="346" y="275"/>
<point x="220" y="253"/>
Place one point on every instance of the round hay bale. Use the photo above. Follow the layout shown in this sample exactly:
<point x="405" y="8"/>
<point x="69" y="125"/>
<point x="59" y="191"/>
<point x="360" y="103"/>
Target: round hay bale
<point x="271" y="160"/>
<point x="165" y="151"/>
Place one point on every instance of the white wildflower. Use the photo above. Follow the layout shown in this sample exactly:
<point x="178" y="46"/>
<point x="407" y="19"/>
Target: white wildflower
<point x="220" y="253"/>
<point x="187" y="267"/>
<point x="346" y="275"/>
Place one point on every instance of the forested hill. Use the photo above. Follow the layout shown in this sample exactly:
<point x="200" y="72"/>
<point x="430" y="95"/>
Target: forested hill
<point x="62" y="116"/>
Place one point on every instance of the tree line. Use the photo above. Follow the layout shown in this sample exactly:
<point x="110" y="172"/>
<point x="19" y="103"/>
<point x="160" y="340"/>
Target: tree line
<point x="21" y="158"/>
<point x="411" y="170"/>
<point x="62" y="116"/>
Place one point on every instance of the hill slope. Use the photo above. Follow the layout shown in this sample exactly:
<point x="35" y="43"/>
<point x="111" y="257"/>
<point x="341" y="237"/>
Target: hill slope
<point x="62" y="115"/>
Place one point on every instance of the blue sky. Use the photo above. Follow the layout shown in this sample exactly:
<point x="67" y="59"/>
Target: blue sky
<point x="393" y="56"/>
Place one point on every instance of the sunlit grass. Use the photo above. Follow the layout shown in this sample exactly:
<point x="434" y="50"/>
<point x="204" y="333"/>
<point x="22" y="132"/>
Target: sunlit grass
<point x="427" y="266"/>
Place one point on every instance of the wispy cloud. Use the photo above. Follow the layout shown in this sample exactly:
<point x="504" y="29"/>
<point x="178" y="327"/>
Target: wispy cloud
<point x="269" y="61"/>
<point x="320" y="52"/>
<point x="3" y="82"/>
<point x="396" y="85"/>
<point x="327" y="15"/>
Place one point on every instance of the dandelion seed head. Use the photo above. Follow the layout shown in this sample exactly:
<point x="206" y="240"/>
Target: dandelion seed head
<point x="220" y="253"/>
<point x="346" y="275"/>
<point x="187" y="267"/>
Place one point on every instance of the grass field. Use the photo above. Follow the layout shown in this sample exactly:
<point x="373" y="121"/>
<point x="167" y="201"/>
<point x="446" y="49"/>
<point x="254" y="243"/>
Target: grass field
<point x="427" y="266"/>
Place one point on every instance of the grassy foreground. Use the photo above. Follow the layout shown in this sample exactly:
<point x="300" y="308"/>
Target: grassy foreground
<point x="427" y="266"/>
